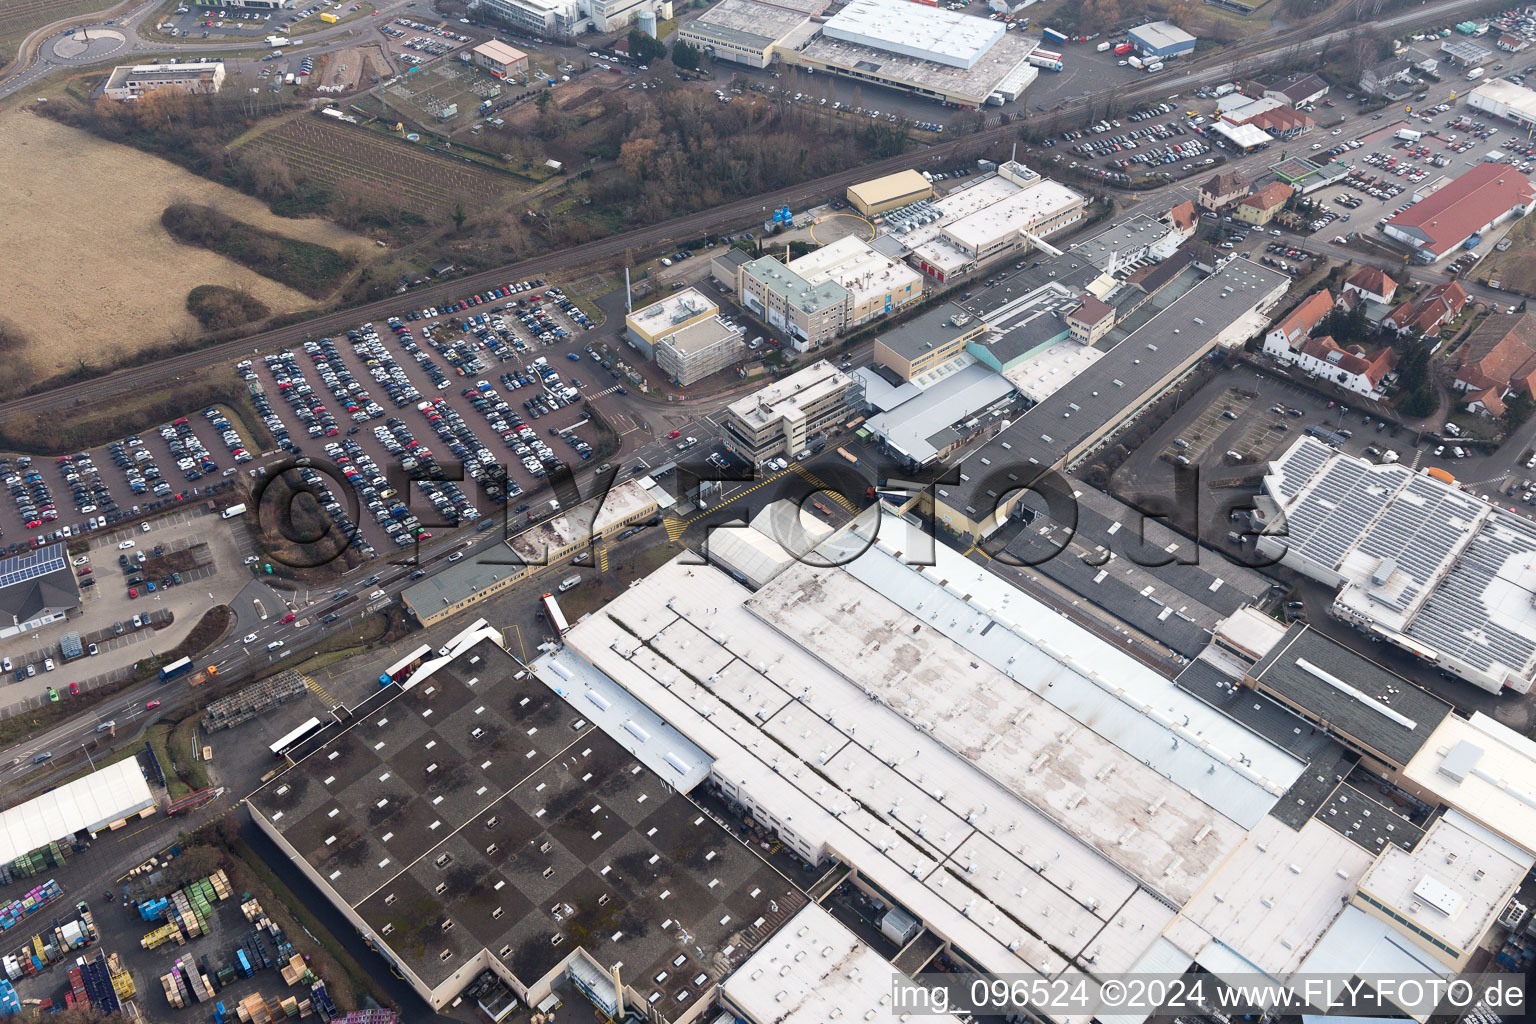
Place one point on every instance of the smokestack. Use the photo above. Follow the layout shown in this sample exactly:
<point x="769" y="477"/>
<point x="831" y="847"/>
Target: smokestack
<point x="628" y="299"/>
<point x="618" y="994"/>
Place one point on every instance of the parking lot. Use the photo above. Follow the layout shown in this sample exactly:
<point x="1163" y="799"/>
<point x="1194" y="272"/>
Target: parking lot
<point x="1159" y="137"/>
<point x="497" y="380"/>
<point x="185" y="460"/>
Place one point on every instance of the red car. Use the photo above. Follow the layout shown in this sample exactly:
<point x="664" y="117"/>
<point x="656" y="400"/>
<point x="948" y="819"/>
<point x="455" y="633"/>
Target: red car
<point x="132" y="592"/>
<point x="675" y="433"/>
<point x="151" y="705"/>
<point x="288" y="618"/>
<point x="84" y="570"/>
<point x="74" y="689"/>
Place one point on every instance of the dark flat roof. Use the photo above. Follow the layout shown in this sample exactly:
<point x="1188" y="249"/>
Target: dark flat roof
<point x="1104" y="391"/>
<point x="930" y="330"/>
<point x="477" y="791"/>
<point x="1280" y="672"/>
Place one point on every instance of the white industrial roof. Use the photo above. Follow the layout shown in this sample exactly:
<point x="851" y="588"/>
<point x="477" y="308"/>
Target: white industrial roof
<point x="91" y="802"/>
<point x="915" y="30"/>
<point x="1453" y="884"/>
<point x="1359" y="945"/>
<point x="788" y="397"/>
<point x="814" y="970"/>
<point x="677" y="308"/>
<point x="812" y="750"/>
<point x="953" y="740"/>
<point x="1020" y="211"/>
<point x="931" y="408"/>
<point x="1275" y="896"/>
<point x="851" y="262"/>
<point x="635" y="727"/>
<point x="1484" y="769"/>
<point x="1215" y="758"/>
<point x="1505" y="98"/>
<point x="756" y="552"/>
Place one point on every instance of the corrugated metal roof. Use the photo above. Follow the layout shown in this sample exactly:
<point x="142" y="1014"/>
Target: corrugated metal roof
<point x="92" y="802"/>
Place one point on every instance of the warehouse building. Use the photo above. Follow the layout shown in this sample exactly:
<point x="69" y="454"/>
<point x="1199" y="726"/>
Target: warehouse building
<point x="103" y="800"/>
<point x="471" y="580"/>
<point x="1224" y="310"/>
<point x="1370" y="709"/>
<point x="537" y="17"/>
<point x="500" y="59"/>
<point x="1416" y="561"/>
<point x="462" y="827"/>
<point x="1502" y="98"/>
<point x="751" y="32"/>
<point x="876" y="284"/>
<point x="872" y="198"/>
<point x="36" y="587"/>
<point x="926" y="342"/>
<point x="814" y="970"/>
<point x="1476" y="201"/>
<point x="779" y="535"/>
<point x="967" y="838"/>
<point x="129" y="82"/>
<point x="922" y="421"/>
<point x="811" y="314"/>
<point x="700" y="350"/>
<point x="785" y="418"/>
<point x="987" y="219"/>
<point x="1161" y="40"/>
<point x="684" y="308"/>
<point x="924" y="50"/>
<point x="1033" y="800"/>
<point x="927" y="33"/>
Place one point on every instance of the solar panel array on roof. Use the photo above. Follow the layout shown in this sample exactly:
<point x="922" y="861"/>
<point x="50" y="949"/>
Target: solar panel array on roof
<point x="1419" y="531"/>
<point x="1325" y="527"/>
<point x="1457" y="617"/>
<point x="1299" y="465"/>
<point x="31" y="565"/>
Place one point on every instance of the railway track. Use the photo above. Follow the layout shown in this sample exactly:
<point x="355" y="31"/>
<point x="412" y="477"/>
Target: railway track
<point x="102" y="390"/>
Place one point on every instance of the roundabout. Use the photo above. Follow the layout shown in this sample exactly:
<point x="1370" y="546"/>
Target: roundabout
<point x="86" y="45"/>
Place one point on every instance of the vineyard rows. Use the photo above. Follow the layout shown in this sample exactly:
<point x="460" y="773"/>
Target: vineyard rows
<point x="333" y="152"/>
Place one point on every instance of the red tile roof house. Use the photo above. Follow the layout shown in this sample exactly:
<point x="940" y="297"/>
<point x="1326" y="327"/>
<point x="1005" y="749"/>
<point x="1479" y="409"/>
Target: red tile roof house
<point x="1498" y="359"/>
<point x="1479" y="200"/>
<point x="1438" y="305"/>
<point x="1289" y="334"/>
<point x="1322" y="357"/>
<point x="1371" y="284"/>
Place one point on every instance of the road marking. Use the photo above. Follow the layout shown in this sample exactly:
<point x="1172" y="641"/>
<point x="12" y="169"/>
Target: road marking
<point x="318" y="690"/>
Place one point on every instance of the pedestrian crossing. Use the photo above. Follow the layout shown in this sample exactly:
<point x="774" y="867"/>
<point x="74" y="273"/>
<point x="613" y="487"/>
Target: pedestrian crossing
<point x="602" y="558"/>
<point x="837" y="497"/>
<point x="605" y="391"/>
<point x="319" y="691"/>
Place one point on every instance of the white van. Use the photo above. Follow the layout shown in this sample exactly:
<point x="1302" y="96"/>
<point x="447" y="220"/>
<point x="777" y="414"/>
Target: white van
<point x="569" y="582"/>
<point x="232" y="511"/>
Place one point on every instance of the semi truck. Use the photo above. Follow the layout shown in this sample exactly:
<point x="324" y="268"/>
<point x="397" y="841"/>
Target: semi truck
<point x="1409" y="135"/>
<point x="1046" y="59"/>
<point x="1123" y="49"/>
<point x="1053" y="36"/>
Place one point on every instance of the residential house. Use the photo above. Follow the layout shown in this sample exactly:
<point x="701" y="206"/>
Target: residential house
<point x="1289" y="334"/>
<point x="1260" y="207"/>
<point x="1323" y="357"/>
<point x="1437" y="306"/>
<point x="1391" y="78"/>
<point x="1221" y="190"/>
<point x="1298" y="89"/>
<point x="1370" y="284"/>
<point x="1182" y="219"/>
<point x="1499" y="359"/>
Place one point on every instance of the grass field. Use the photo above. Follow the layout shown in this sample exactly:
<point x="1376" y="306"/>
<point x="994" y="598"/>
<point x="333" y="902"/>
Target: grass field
<point x="19" y="17"/>
<point x="1514" y="269"/>
<point x="98" y="229"/>
<point x="409" y="175"/>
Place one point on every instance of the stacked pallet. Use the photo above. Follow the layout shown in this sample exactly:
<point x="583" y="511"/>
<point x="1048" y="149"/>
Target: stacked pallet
<point x="175" y="989"/>
<point x="160" y="936"/>
<point x="253" y="1010"/>
<point x="252" y="910"/>
<point x="16" y="911"/>
<point x="253" y="701"/>
<point x="296" y="970"/>
<point x="122" y="980"/>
